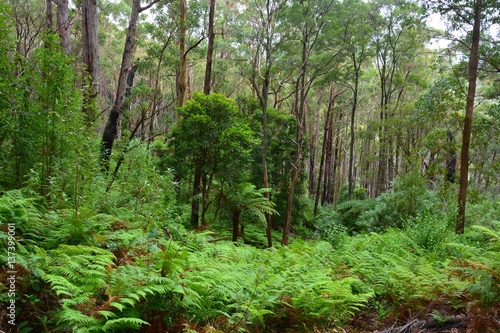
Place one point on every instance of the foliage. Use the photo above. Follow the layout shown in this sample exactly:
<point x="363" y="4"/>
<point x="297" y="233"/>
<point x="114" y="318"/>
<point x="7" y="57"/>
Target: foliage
<point x="402" y="202"/>
<point x="480" y="266"/>
<point x="211" y="136"/>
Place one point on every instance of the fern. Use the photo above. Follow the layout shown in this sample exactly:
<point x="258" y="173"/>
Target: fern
<point x="481" y="266"/>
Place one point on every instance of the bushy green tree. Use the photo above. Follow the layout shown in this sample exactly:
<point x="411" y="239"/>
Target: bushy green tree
<point x="212" y="141"/>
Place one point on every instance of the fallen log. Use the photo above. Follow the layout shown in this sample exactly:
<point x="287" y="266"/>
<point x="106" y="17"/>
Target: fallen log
<point x="429" y="325"/>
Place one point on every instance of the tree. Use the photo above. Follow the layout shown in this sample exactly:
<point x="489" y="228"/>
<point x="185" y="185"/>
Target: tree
<point x="64" y="24"/>
<point x="398" y="37"/>
<point x="266" y="40"/>
<point x="469" y="109"/>
<point x="306" y="22"/>
<point x="210" y="50"/>
<point x="111" y="129"/>
<point x="357" y="37"/>
<point x="211" y="141"/>
<point x="474" y="14"/>
<point x="90" y="51"/>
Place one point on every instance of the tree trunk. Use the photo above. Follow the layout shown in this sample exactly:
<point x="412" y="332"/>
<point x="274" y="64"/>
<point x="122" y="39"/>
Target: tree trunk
<point x="451" y="160"/>
<point x="110" y="131"/>
<point x="236" y="223"/>
<point x="90" y="56"/>
<point x="297" y="164"/>
<point x="265" y="143"/>
<point x="350" y="176"/>
<point x="154" y="105"/>
<point x="469" y="109"/>
<point x="48" y="15"/>
<point x="324" y="149"/>
<point x="210" y="50"/>
<point x="63" y="24"/>
<point x="182" y="84"/>
<point x="328" y="162"/>
<point x="312" y="152"/>
<point x="195" y="203"/>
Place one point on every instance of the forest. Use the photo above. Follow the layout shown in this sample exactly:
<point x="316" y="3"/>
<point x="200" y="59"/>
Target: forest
<point x="211" y="166"/>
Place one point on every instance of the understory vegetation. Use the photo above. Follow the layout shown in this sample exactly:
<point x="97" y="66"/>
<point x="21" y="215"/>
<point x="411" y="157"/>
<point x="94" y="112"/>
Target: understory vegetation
<point x="126" y="262"/>
<point x="311" y="187"/>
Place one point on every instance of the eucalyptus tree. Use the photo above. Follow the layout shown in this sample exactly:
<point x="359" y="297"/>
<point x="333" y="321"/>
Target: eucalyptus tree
<point x="210" y="48"/>
<point x="472" y="16"/>
<point x="90" y="52"/>
<point x="309" y="26"/>
<point x="266" y="41"/>
<point x="64" y="24"/>
<point x="398" y="39"/>
<point x="111" y="129"/>
<point x="357" y="35"/>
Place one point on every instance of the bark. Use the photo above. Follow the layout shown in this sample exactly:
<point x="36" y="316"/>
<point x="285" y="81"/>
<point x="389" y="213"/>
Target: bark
<point x="469" y="109"/>
<point x="236" y="223"/>
<point x="297" y="164"/>
<point x="195" y="203"/>
<point x="111" y="129"/>
<point x="210" y="51"/>
<point x="154" y="105"/>
<point x="351" y="180"/>
<point x="264" y="102"/>
<point x="90" y="52"/>
<point x="328" y="161"/>
<point x="63" y="24"/>
<point x="324" y="149"/>
<point x="330" y="195"/>
<point x="48" y="15"/>
<point x="182" y="84"/>
<point x="451" y="160"/>
<point x="312" y="153"/>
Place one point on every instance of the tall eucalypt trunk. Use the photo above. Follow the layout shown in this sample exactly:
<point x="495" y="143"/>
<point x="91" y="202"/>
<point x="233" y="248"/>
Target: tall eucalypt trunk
<point x="469" y="109"/>
<point x="210" y="51"/>
<point x="183" y="81"/>
<point x="110" y="131"/>
<point x="90" y="53"/>
<point x="64" y="23"/>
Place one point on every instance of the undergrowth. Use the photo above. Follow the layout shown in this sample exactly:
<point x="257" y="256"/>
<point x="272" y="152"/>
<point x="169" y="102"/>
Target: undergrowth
<point x="119" y="270"/>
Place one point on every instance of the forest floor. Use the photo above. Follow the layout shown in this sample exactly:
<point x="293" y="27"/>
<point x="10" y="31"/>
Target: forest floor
<point x="436" y="317"/>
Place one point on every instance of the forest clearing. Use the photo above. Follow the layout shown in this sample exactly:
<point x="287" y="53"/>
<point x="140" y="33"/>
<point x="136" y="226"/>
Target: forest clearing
<point x="213" y="166"/>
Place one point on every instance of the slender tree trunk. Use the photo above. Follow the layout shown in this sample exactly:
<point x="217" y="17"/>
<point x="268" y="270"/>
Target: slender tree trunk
<point x="110" y="131"/>
<point x="451" y="160"/>
<point x="312" y="152"/>
<point x="154" y="105"/>
<point x="301" y="125"/>
<point x="265" y="40"/>
<point x="235" y="218"/>
<point x="328" y="161"/>
<point x="90" y="57"/>
<point x="210" y="50"/>
<point x="469" y="109"/>
<point x="265" y="144"/>
<point x="195" y="203"/>
<point x="487" y="182"/>
<point x="63" y="24"/>
<point x="350" y="176"/>
<point x="48" y="15"/>
<point x="182" y="84"/>
<point x="337" y="147"/>
<point x="323" y="150"/>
